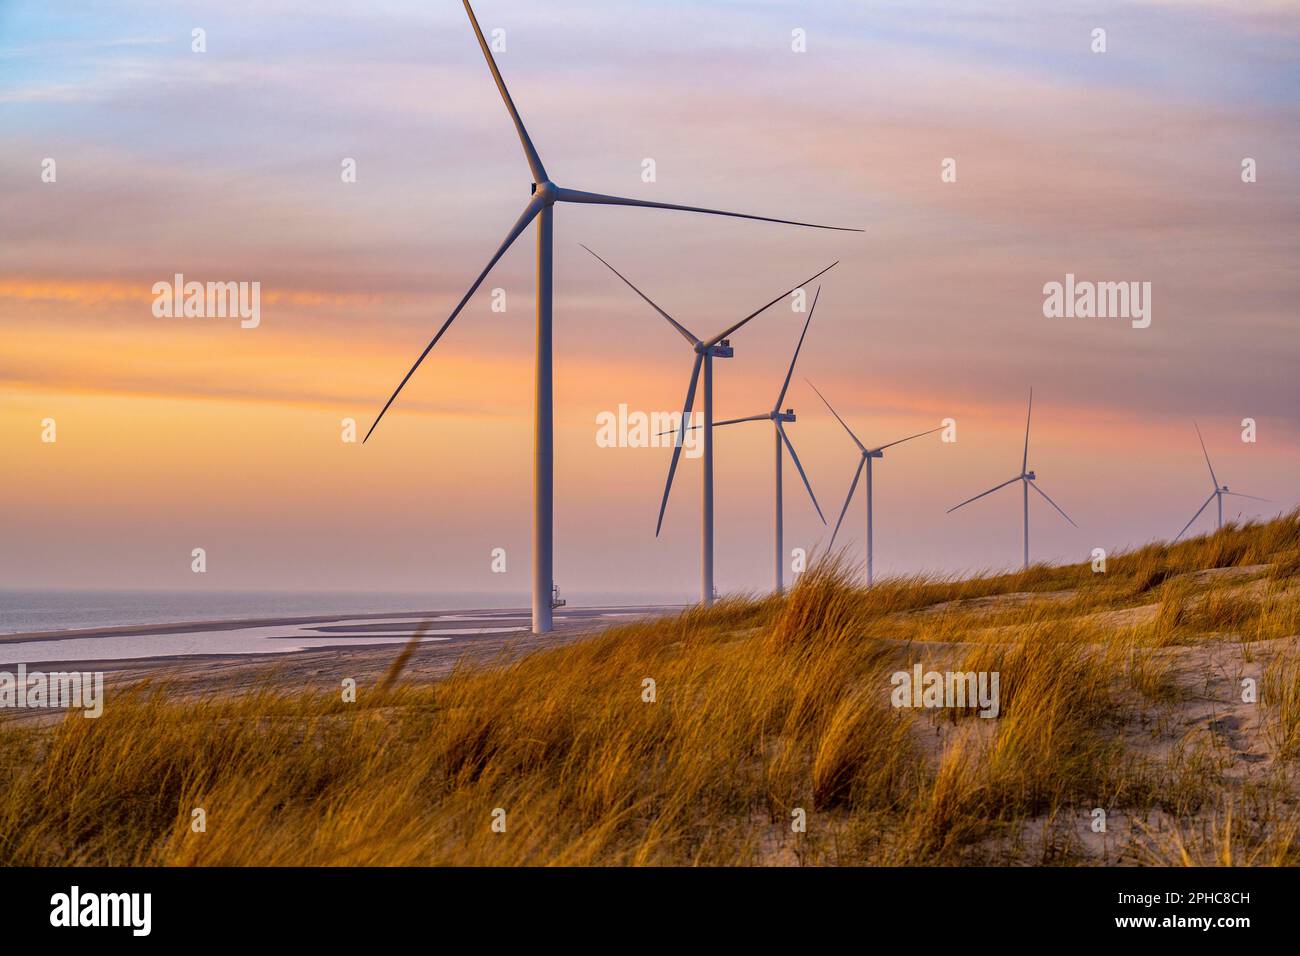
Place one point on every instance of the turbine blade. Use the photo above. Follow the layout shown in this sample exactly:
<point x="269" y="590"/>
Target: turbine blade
<point x="734" y="328"/>
<point x="1195" y="516"/>
<point x="681" y="438"/>
<point x="982" y="494"/>
<point x="575" y="195"/>
<point x="910" y="437"/>
<point x="530" y="211"/>
<point x="1207" y="455"/>
<point x="530" y="153"/>
<point x="848" y="498"/>
<point x="1024" y="464"/>
<point x="686" y="334"/>
<point x="861" y="447"/>
<point x="1238" y="494"/>
<point x="766" y="416"/>
<point x="1052" y="503"/>
<point x="786" y="438"/>
<point x="785" y="387"/>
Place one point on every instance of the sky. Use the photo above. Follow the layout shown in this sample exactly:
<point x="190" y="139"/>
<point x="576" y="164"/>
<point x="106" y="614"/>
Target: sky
<point x="225" y="165"/>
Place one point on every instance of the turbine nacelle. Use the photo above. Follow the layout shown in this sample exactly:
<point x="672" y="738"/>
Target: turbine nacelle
<point x="1029" y="476"/>
<point x="782" y="416"/>
<point x="721" y="349"/>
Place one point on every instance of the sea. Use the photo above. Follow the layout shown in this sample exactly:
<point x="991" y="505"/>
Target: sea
<point x="27" y="611"/>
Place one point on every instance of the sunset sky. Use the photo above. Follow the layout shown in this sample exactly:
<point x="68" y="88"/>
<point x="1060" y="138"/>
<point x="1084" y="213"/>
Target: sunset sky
<point x="176" y="433"/>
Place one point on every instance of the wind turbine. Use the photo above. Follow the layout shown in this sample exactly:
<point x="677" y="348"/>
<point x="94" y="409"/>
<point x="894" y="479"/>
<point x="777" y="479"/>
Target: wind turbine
<point x="1027" y="478"/>
<point x="1218" y="492"/>
<point x="868" y="454"/>
<point x="706" y="350"/>
<point x="779" y="420"/>
<point x="541" y="206"/>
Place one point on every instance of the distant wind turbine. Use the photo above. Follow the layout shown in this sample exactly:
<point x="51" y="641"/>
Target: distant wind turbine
<point x="867" y="455"/>
<point x="706" y="350"/>
<point x="1027" y="478"/>
<point x="1217" y="493"/>
<point x="779" y="420"/>
<point x="545" y="194"/>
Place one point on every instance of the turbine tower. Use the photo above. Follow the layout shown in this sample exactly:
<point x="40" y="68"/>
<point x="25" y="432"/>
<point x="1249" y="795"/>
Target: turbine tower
<point x="1028" y="479"/>
<point x="1217" y="493"/>
<point x="541" y="206"/>
<point x="779" y="420"/>
<point x="868" y="454"/>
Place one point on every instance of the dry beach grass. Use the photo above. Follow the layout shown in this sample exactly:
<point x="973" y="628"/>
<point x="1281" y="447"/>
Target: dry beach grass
<point x="1120" y="691"/>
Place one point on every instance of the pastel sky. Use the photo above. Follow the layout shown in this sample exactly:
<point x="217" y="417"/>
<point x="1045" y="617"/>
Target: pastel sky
<point x="225" y="165"/>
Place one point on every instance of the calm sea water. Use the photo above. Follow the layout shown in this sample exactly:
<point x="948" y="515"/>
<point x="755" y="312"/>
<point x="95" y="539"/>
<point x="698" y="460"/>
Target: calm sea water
<point x="23" y="612"/>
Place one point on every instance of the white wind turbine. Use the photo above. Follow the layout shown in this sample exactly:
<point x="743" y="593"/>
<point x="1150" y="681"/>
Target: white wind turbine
<point x="868" y="454"/>
<point x="541" y="206"/>
<point x="779" y="420"/>
<point x="1027" y="478"/>
<point x="706" y="350"/>
<point x="1217" y="493"/>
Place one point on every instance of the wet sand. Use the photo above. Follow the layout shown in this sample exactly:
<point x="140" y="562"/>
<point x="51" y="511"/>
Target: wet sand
<point x="368" y="645"/>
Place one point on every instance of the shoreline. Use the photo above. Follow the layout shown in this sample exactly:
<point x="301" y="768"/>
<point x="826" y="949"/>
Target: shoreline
<point x="227" y="624"/>
<point x="320" y="667"/>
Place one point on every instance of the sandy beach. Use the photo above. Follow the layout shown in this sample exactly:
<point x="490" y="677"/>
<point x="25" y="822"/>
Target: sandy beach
<point x="359" y="646"/>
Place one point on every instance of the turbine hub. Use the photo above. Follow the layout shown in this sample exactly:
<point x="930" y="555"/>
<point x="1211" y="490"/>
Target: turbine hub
<point x="546" y="191"/>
